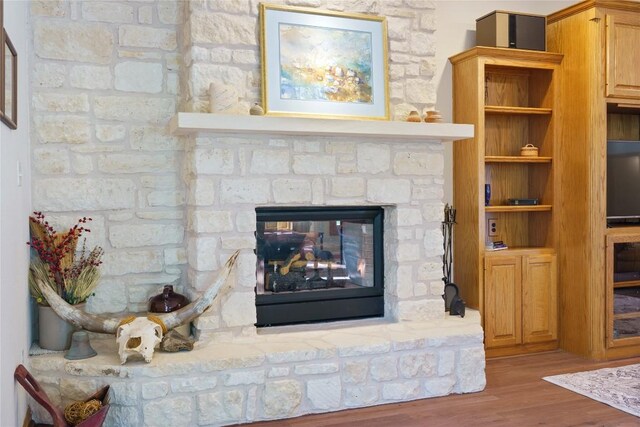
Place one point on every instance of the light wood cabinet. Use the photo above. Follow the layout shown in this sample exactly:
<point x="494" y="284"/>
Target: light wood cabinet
<point x="539" y="298"/>
<point x="503" y="301"/>
<point x="623" y="55"/>
<point x="520" y="302"/>
<point x="598" y="79"/>
<point x="509" y="95"/>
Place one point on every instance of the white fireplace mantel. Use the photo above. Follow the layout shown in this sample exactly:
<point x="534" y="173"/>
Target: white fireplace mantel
<point x="191" y="123"/>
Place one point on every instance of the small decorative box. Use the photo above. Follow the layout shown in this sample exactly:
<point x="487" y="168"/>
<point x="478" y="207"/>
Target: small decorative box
<point x="529" y="151"/>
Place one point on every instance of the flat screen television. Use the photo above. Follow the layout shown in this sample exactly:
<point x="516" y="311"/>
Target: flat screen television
<point x="623" y="180"/>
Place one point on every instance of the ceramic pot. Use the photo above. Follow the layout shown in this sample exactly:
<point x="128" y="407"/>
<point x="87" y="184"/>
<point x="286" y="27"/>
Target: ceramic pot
<point x="256" y="110"/>
<point x="169" y="301"/>
<point x="414" y="117"/>
<point x="54" y="332"/>
<point x="433" y="117"/>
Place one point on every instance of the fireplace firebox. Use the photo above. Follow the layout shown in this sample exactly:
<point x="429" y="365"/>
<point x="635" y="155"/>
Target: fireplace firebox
<point x="318" y="264"/>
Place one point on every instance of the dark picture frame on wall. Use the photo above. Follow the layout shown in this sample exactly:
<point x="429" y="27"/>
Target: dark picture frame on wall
<point x="2" y="56"/>
<point x="9" y="89"/>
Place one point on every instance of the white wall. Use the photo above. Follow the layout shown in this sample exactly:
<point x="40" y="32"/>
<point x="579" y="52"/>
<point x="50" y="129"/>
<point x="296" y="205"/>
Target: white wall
<point x="15" y="206"/>
<point x="456" y="32"/>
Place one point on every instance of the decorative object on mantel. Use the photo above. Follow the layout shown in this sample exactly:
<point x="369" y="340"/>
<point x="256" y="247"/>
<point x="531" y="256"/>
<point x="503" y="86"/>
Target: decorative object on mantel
<point x="70" y="273"/>
<point x="433" y="117"/>
<point x="414" y="117"/>
<point x="168" y="301"/>
<point x="223" y="98"/>
<point x="256" y="110"/>
<point x="80" y="347"/>
<point x="323" y="63"/>
<point x="166" y="321"/>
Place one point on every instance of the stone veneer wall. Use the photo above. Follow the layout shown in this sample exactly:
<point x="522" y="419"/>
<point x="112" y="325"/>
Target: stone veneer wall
<point x="107" y="76"/>
<point x="222" y="45"/>
<point x="105" y="81"/>
<point x="234" y="175"/>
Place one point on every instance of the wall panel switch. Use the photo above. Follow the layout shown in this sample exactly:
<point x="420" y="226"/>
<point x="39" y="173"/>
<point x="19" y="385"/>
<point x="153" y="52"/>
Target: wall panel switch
<point x="19" y="173"/>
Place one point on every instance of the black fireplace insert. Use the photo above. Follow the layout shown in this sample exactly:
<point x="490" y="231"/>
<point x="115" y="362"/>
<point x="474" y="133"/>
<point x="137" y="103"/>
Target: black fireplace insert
<point x="318" y="264"/>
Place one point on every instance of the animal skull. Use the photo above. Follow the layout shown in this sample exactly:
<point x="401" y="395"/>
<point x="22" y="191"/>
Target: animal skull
<point x="138" y="336"/>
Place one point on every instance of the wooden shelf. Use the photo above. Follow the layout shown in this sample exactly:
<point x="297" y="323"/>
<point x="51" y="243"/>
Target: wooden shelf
<point x="626" y="284"/>
<point x="629" y="141"/>
<point x="521" y="250"/>
<point x="509" y="208"/>
<point x="631" y="315"/>
<point x="498" y="109"/>
<point x="516" y="159"/>
<point x="192" y="123"/>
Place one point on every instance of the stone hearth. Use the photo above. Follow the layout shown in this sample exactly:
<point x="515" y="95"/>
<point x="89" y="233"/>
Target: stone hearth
<point x="289" y="372"/>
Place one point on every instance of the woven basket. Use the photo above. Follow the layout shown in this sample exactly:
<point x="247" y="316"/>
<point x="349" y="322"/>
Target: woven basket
<point x="77" y="412"/>
<point x="529" y="151"/>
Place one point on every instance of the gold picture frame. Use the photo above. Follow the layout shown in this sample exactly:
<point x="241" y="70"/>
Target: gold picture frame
<point x="318" y="63"/>
<point x="9" y="83"/>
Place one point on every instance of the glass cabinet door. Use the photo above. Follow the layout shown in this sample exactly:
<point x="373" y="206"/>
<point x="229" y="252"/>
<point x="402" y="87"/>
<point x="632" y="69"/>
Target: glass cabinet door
<point x="623" y="289"/>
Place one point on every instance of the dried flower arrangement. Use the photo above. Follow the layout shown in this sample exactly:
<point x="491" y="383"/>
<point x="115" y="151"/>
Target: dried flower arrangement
<point x="72" y="273"/>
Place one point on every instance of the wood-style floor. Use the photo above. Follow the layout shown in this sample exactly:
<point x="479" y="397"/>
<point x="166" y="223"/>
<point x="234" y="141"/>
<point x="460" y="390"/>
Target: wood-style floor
<point x="515" y="396"/>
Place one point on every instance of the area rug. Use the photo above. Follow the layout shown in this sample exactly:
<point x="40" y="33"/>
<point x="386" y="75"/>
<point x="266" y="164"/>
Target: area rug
<point x="617" y="387"/>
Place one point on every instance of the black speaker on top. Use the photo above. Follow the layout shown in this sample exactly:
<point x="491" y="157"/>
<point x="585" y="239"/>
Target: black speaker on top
<point x="512" y="30"/>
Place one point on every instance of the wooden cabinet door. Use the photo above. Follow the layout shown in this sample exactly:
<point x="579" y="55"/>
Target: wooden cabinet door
<point x="503" y="301"/>
<point x="623" y="56"/>
<point x="539" y="298"/>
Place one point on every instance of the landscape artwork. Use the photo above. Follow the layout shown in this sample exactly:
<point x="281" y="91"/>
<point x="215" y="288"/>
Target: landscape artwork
<point x="318" y="63"/>
<point x="325" y="64"/>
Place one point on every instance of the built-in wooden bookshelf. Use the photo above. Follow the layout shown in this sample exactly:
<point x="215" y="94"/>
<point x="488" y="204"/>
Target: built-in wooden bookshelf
<point x="508" y="94"/>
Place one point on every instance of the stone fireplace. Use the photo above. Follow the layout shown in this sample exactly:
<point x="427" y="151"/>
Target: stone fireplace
<point x="232" y="176"/>
<point x="239" y="372"/>
<point x="172" y="203"/>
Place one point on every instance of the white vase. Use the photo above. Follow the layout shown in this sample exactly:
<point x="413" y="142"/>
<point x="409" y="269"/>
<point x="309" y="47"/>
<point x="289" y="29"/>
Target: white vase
<point x="54" y="332"/>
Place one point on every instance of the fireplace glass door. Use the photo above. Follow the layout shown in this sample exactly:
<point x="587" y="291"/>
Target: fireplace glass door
<point x="318" y="264"/>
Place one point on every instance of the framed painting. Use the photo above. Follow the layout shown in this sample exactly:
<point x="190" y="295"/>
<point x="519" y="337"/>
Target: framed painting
<point x="323" y="64"/>
<point x="9" y="97"/>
